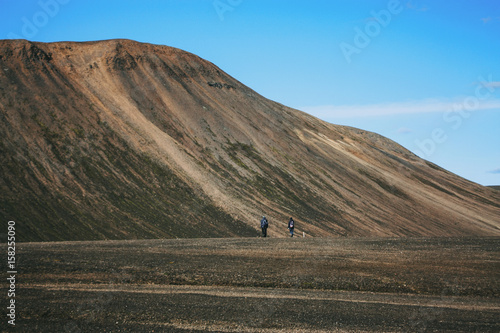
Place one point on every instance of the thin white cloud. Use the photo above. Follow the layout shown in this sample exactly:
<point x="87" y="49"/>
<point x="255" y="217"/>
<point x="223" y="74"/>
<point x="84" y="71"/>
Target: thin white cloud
<point x="410" y="5"/>
<point x="496" y="171"/>
<point x="404" y="130"/>
<point x="495" y="84"/>
<point x="489" y="19"/>
<point x="400" y="108"/>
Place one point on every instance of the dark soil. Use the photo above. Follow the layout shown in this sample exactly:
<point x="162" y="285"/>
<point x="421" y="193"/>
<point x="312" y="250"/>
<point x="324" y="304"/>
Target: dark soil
<point x="260" y="285"/>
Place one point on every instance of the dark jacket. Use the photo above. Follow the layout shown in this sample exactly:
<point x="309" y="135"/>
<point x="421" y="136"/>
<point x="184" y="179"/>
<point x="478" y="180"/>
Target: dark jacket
<point x="291" y="224"/>
<point x="264" y="223"/>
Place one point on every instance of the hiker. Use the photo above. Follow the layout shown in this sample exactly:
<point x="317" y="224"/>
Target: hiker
<point x="264" y="224"/>
<point x="291" y="225"/>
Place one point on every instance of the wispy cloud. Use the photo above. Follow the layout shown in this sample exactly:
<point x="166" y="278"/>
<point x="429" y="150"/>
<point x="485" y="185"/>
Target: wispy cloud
<point x="496" y="171"/>
<point x="495" y="84"/>
<point x="410" y="5"/>
<point x="486" y="20"/>
<point x="404" y="130"/>
<point x="399" y="108"/>
<point x="489" y="19"/>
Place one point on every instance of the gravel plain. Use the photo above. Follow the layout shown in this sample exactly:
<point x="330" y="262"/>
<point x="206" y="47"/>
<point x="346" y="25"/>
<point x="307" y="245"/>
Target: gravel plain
<point x="261" y="285"/>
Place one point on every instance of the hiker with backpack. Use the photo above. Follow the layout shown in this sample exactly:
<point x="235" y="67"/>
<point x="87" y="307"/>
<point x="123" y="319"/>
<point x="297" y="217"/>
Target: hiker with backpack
<point x="291" y="225"/>
<point x="264" y="224"/>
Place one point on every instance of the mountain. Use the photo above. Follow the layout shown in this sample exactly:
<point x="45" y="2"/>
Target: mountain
<point x="122" y="140"/>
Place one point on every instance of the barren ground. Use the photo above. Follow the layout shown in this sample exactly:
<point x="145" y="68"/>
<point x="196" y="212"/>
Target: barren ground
<point x="260" y="285"/>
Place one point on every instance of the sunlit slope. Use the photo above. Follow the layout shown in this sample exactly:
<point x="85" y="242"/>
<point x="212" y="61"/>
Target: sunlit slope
<point x="119" y="140"/>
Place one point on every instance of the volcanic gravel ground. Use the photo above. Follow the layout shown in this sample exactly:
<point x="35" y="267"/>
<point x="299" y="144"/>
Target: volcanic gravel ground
<point x="260" y="285"/>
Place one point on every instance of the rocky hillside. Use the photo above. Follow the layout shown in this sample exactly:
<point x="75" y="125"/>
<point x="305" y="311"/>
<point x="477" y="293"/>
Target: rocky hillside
<point x="123" y="140"/>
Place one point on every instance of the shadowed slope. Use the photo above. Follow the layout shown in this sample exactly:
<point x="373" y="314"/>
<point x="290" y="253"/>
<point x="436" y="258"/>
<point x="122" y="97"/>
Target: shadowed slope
<point x="118" y="139"/>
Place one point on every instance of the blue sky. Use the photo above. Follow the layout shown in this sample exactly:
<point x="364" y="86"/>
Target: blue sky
<point x="423" y="73"/>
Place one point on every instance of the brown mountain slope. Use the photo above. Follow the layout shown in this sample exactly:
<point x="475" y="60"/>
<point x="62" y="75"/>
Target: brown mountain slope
<point x="118" y="139"/>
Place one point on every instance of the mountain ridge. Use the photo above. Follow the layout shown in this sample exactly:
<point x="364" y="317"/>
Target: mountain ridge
<point x="121" y="140"/>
